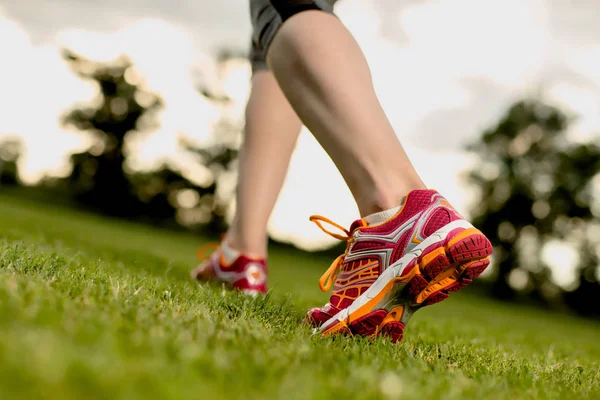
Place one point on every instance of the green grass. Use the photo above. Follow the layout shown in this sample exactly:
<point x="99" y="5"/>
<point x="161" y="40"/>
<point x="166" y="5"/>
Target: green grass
<point x="92" y="308"/>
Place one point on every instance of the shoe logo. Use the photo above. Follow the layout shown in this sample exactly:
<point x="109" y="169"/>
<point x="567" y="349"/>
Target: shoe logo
<point x="384" y="253"/>
<point x="416" y="223"/>
<point x="415" y="239"/>
<point x="255" y="275"/>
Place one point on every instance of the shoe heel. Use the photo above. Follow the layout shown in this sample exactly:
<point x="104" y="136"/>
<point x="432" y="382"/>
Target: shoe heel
<point x="451" y="267"/>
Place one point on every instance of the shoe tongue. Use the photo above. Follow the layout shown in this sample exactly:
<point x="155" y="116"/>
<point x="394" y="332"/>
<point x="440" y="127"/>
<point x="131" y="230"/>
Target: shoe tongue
<point x="359" y="223"/>
<point x="381" y="217"/>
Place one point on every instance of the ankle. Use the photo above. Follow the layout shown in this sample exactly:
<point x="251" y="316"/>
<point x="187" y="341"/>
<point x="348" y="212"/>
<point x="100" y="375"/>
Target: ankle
<point x="382" y="197"/>
<point x="255" y="248"/>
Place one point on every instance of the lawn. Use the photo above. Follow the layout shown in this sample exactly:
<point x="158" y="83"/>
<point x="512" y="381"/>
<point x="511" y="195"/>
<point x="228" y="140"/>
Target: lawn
<point x="93" y="308"/>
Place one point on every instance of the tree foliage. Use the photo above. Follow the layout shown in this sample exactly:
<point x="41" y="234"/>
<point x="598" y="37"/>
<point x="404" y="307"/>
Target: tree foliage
<point x="10" y="151"/>
<point x="536" y="190"/>
<point x="122" y="108"/>
<point x="100" y="178"/>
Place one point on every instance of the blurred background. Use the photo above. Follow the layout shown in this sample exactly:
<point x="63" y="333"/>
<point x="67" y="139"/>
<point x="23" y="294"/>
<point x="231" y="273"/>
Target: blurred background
<point x="134" y="109"/>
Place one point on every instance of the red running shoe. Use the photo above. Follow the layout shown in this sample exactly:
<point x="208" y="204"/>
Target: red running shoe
<point x="233" y="268"/>
<point x="396" y="262"/>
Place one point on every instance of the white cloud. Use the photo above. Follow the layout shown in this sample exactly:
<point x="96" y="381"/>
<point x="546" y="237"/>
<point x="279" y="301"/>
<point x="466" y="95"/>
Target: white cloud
<point x="580" y="102"/>
<point x="162" y="55"/>
<point x="584" y="61"/>
<point x="506" y="41"/>
<point x="37" y="87"/>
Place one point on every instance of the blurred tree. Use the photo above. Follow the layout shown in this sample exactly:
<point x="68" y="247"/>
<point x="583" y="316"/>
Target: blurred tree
<point x="100" y="178"/>
<point x="536" y="190"/>
<point x="123" y="107"/>
<point x="10" y="151"/>
<point x="221" y="160"/>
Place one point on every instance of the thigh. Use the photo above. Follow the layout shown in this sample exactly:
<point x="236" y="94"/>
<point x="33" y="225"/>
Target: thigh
<point x="267" y="16"/>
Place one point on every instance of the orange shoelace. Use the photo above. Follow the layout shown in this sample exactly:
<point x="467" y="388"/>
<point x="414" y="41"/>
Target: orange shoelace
<point x="328" y="278"/>
<point x="207" y="249"/>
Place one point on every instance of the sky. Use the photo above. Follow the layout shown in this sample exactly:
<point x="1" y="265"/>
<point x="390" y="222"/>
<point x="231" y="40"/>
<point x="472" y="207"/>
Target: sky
<point x="444" y="71"/>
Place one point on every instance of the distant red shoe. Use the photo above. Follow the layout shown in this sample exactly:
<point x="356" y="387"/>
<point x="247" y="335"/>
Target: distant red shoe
<point x="233" y="268"/>
<point x="396" y="262"/>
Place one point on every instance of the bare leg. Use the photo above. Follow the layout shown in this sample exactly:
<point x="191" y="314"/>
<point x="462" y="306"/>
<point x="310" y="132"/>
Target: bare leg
<point x="326" y="78"/>
<point x="272" y="129"/>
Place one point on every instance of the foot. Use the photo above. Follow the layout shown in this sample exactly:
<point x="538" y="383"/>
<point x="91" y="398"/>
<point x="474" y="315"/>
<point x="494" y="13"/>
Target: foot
<point x="395" y="263"/>
<point x="234" y="269"/>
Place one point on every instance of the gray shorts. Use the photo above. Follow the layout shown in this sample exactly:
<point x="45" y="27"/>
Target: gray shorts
<point x="267" y="19"/>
